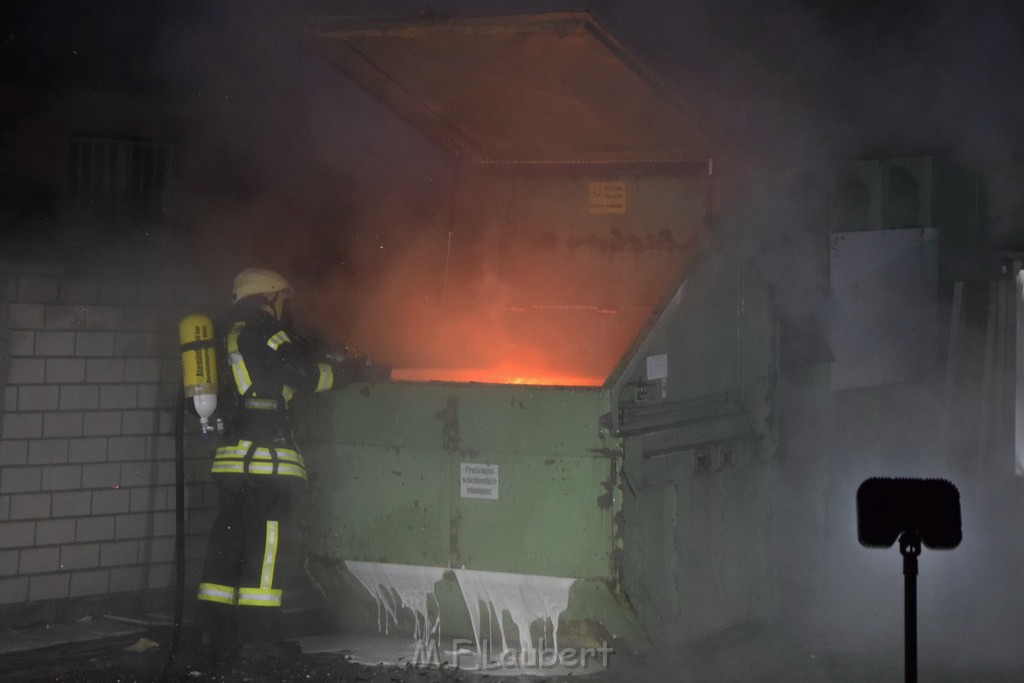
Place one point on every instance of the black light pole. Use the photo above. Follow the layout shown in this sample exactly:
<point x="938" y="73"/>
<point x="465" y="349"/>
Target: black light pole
<point x="915" y="512"/>
<point x="179" y="533"/>
<point x="910" y="548"/>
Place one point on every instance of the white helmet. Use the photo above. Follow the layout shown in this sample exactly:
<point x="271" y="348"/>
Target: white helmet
<point x="258" y="281"/>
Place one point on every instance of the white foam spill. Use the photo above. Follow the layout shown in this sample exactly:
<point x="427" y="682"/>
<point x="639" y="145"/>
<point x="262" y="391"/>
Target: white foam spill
<point x="525" y="597"/>
<point x="412" y="585"/>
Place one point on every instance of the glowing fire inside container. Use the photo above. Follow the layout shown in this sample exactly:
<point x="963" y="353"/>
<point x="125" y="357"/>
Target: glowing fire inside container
<point x="553" y="296"/>
<point x="497" y="375"/>
<point x="540" y="346"/>
<point x="568" y="336"/>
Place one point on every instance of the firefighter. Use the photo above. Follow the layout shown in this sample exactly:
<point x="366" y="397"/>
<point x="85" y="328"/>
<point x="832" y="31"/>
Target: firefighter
<point x="258" y="471"/>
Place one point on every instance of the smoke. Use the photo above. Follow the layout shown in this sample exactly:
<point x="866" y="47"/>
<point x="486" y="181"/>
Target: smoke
<point x="284" y="163"/>
<point x="299" y="170"/>
<point x="288" y="165"/>
<point x="797" y="86"/>
<point x="281" y="143"/>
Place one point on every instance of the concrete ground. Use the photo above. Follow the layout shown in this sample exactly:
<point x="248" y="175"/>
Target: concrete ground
<point x="109" y="649"/>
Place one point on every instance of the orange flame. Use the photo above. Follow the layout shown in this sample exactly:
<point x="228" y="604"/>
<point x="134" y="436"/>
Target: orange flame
<point x="494" y="376"/>
<point x="541" y="310"/>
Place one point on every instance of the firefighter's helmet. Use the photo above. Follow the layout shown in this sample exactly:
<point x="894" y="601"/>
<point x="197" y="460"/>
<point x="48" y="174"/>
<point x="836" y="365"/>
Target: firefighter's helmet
<point x="258" y="281"/>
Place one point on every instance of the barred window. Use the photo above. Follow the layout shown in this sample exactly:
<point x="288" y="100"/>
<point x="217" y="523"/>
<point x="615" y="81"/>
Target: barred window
<point x="121" y="182"/>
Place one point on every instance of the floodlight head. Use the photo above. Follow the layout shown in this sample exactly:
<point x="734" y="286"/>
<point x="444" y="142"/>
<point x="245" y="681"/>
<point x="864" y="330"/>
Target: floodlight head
<point x="887" y="508"/>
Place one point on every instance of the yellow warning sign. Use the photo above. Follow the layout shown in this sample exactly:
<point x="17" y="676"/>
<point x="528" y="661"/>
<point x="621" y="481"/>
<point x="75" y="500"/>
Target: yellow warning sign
<point x="607" y="196"/>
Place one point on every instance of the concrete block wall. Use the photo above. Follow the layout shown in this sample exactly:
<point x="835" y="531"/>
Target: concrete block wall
<point x="90" y="372"/>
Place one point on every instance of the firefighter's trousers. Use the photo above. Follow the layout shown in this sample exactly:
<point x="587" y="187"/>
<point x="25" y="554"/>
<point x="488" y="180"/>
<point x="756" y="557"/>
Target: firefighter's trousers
<point x="249" y="558"/>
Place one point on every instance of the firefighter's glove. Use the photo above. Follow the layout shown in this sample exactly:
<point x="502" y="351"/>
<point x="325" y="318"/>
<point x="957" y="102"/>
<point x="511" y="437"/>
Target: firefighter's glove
<point x="359" y="369"/>
<point x="374" y="372"/>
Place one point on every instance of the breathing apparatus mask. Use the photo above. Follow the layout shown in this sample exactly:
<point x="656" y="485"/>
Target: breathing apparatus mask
<point x="281" y="303"/>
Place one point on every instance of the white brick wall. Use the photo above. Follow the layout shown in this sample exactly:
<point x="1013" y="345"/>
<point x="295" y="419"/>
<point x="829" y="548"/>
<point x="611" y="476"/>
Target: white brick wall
<point x="86" y="448"/>
<point x="47" y="451"/>
<point x="55" y="531"/>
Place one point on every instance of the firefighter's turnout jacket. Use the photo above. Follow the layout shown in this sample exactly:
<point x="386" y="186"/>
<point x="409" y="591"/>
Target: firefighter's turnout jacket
<point x="267" y="368"/>
<point x="256" y="472"/>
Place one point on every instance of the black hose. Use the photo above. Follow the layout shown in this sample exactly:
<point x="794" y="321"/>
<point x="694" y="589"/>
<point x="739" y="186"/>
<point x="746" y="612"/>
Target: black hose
<point x="179" y="531"/>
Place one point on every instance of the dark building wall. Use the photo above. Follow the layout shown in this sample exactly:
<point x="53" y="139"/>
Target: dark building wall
<point x="81" y="169"/>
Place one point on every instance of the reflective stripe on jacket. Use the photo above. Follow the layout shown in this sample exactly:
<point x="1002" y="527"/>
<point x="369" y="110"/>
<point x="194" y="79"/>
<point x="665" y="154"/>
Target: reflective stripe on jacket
<point x="236" y="459"/>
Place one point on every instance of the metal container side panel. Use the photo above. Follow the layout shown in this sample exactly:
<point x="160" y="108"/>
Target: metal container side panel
<point x="382" y="505"/>
<point x="532" y="420"/>
<point x="694" y="410"/>
<point x="386" y="479"/>
<point x="374" y="503"/>
<point x="698" y="531"/>
<point x="554" y="518"/>
<point x="700" y="336"/>
<point x="724" y="522"/>
<point x="710" y="354"/>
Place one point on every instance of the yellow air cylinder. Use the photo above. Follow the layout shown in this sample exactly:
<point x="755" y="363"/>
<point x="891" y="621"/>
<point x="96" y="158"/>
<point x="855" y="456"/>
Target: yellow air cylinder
<point x="199" y="365"/>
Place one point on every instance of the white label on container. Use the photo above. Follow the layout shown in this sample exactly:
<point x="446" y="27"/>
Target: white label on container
<point x="478" y="481"/>
<point x="607" y="196"/>
<point x="657" y="366"/>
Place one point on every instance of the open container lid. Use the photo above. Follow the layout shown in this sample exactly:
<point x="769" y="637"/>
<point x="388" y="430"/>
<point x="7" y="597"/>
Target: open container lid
<point x="546" y="91"/>
<point x="540" y="88"/>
